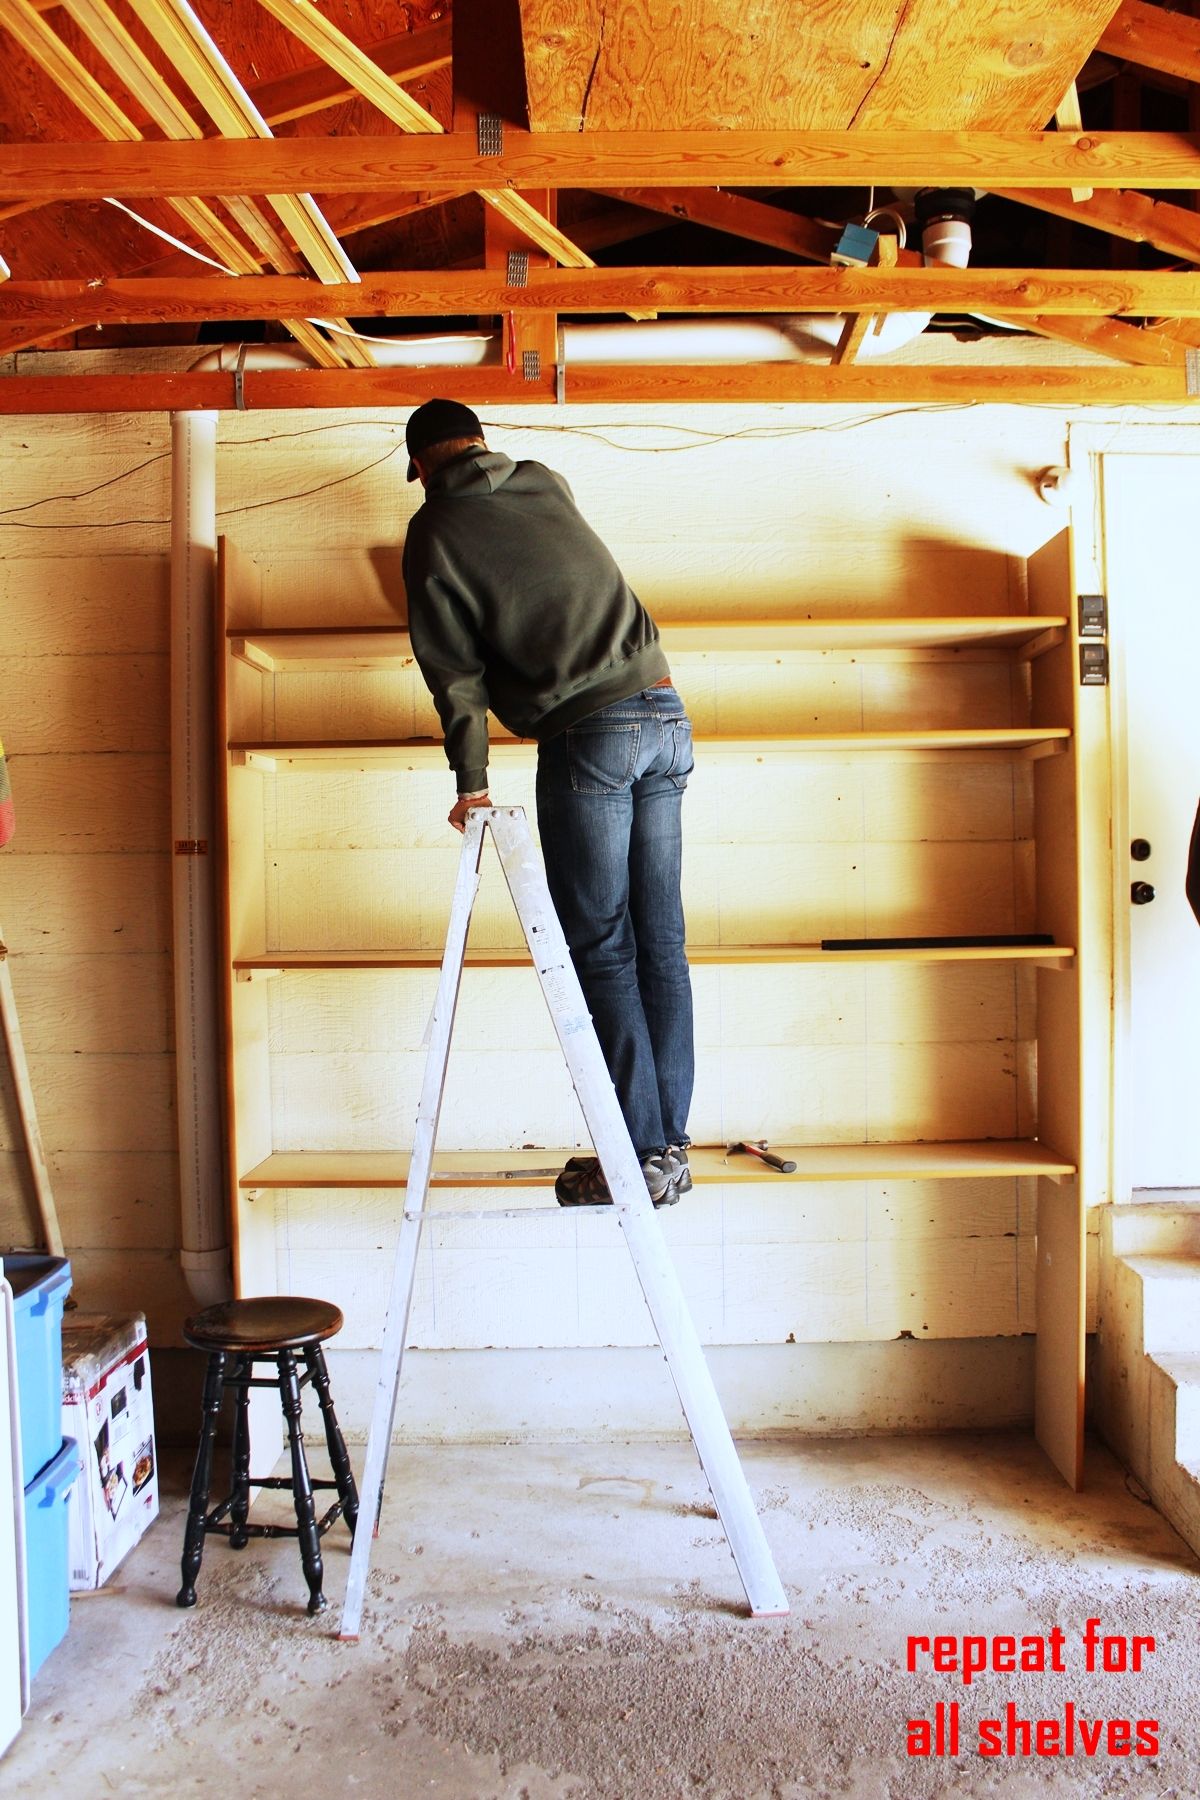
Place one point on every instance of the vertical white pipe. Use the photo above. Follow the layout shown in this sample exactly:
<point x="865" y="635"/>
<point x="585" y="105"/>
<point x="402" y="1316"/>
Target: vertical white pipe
<point x="205" y="1253"/>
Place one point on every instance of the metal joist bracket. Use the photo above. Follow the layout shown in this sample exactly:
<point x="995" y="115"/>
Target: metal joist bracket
<point x="1191" y="371"/>
<point x="517" y="273"/>
<point x="489" y="134"/>
<point x="531" y="365"/>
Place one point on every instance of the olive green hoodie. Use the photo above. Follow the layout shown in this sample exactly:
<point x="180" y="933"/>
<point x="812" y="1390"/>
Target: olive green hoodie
<point x="515" y="604"/>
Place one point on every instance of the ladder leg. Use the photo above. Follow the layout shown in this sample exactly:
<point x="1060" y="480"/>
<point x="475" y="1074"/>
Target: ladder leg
<point x="655" y="1271"/>
<point x="395" y="1330"/>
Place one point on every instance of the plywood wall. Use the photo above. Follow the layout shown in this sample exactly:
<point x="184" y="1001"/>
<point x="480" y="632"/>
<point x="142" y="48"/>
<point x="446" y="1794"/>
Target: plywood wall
<point x="756" y="512"/>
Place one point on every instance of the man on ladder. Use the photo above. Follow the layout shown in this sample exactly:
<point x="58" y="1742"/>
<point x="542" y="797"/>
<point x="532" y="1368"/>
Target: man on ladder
<point x="515" y="604"/>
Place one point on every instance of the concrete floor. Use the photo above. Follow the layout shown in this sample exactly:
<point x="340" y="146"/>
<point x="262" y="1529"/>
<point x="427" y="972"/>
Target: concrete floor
<point x="565" y="1623"/>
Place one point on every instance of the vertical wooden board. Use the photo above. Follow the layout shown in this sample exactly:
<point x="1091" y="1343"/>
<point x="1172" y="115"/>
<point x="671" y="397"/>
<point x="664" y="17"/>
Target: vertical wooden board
<point x="111" y="904"/>
<point x="244" y="867"/>
<point x="1061" y="1302"/>
<point x="1058" y="1060"/>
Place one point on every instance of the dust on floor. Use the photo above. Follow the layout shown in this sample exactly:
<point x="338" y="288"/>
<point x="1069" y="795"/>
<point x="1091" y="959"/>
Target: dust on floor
<point x="565" y="1623"/>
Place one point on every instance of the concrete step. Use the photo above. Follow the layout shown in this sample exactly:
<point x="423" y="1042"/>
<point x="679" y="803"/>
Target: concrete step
<point x="1160" y="1227"/>
<point x="1170" y="1300"/>
<point x="1174" y="1439"/>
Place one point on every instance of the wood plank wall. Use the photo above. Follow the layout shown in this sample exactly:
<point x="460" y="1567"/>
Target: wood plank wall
<point x="759" y="512"/>
<point x="85" y="884"/>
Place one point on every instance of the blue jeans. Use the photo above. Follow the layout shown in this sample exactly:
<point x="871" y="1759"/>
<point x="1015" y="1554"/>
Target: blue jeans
<point x="609" y="799"/>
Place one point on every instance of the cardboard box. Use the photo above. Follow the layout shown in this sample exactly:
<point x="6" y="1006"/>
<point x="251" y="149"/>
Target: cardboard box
<point x="107" y="1408"/>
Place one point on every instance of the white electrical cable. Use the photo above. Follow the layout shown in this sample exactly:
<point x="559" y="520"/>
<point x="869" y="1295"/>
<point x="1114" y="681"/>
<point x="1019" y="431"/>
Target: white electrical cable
<point x="167" y="238"/>
<point x="325" y="324"/>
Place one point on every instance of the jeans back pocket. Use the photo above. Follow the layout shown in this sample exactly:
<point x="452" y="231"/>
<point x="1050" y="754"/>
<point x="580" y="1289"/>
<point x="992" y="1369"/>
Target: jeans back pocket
<point x="602" y="758"/>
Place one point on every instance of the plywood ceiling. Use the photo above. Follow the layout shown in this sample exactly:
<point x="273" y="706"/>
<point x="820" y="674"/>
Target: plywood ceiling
<point x="684" y="84"/>
<point x="649" y="65"/>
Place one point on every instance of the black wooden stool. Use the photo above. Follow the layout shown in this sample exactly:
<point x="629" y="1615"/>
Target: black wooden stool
<point x="277" y="1329"/>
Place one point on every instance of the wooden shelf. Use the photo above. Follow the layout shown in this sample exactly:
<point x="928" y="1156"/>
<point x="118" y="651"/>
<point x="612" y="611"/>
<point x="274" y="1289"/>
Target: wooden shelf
<point x="427" y="753"/>
<point x="281" y="650"/>
<point x="709" y="1165"/>
<point x="274" y="962"/>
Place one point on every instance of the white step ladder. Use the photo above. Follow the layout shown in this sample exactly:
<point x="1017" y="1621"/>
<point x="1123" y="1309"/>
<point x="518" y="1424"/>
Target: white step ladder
<point x="631" y="1203"/>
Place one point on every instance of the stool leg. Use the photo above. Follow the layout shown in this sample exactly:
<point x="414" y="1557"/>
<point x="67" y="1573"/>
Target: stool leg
<point x="239" y="1510"/>
<point x="193" y="1538"/>
<point x="302" y="1493"/>
<point x="343" y="1474"/>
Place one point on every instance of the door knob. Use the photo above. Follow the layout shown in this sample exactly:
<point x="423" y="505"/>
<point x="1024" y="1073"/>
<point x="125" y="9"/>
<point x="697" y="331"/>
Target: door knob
<point x="1140" y="849"/>
<point x="1141" y="893"/>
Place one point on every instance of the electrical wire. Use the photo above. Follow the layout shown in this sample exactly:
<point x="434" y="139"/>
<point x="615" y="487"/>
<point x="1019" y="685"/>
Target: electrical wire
<point x="362" y="337"/>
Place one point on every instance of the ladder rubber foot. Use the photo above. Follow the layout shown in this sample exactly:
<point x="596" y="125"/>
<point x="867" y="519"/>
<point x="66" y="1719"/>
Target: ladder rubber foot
<point x="347" y="1637"/>
<point x="784" y="1612"/>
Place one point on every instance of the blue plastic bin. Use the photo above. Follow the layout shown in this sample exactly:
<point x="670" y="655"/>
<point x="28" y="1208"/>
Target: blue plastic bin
<point x="47" y="1564"/>
<point x="40" y="1285"/>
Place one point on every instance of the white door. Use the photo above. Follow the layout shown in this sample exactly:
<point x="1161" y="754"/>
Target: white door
<point x="1152" y="531"/>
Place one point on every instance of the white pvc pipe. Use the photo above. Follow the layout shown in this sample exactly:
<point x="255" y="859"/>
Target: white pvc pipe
<point x="205" y="1254"/>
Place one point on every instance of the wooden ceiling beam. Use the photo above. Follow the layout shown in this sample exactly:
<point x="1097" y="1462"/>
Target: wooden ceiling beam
<point x="435" y="293"/>
<point x="1172" y="229"/>
<point x="445" y="164"/>
<point x="306" y="91"/>
<point x="737" y="215"/>
<point x="1154" y="38"/>
<point x="325" y="40"/>
<point x="1130" y="344"/>
<point x="654" y="384"/>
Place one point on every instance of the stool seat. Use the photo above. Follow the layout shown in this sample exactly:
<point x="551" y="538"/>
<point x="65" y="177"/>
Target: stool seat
<point x="268" y="1323"/>
<point x="285" y="1331"/>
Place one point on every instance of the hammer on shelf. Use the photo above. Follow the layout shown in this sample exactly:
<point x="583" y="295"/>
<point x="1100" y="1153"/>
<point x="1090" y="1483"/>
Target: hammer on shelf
<point x="760" y="1150"/>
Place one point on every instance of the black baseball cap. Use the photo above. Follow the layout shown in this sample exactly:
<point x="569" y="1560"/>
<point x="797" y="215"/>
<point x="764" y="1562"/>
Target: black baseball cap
<point x="433" y="423"/>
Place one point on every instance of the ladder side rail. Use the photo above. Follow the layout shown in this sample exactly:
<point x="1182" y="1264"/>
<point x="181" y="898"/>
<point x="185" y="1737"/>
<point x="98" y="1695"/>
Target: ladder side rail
<point x="655" y="1271"/>
<point x="27" y="1110"/>
<point x="399" y="1307"/>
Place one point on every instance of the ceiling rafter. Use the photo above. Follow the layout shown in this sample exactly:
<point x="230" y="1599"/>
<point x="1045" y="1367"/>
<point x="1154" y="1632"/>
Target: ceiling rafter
<point x="741" y="217"/>
<point x="70" y="75"/>
<point x="181" y="36"/>
<point x="1154" y="38"/>
<point x="325" y="40"/>
<point x="130" y="64"/>
<point x="301" y="93"/>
